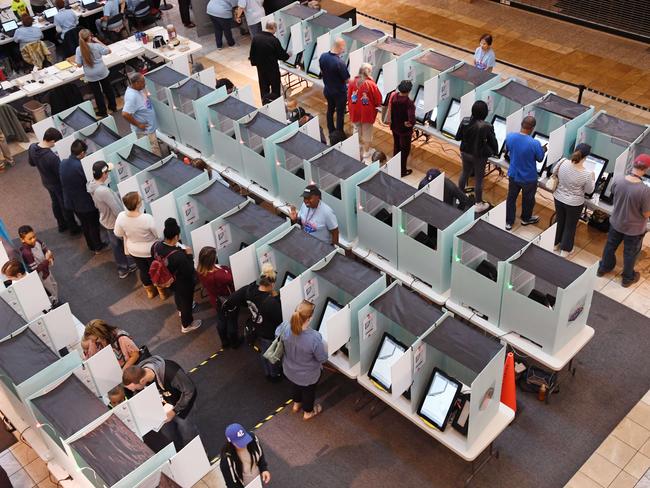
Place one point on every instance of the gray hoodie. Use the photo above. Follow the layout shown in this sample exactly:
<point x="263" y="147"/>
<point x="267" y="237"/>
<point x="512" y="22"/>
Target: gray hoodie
<point x="177" y="387"/>
<point x="107" y="202"/>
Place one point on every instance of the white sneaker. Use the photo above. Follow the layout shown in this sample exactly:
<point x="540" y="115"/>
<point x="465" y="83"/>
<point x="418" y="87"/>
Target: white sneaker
<point x="193" y="326"/>
<point x="481" y="207"/>
<point x="564" y="254"/>
<point x="556" y="247"/>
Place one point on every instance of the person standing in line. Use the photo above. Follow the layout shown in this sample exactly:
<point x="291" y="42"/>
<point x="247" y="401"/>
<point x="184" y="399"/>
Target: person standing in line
<point x="316" y="217"/>
<point x="109" y="206"/>
<point x="181" y="266"/>
<point x="39" y="258"/>
<point x="574" y="180"/>
<point x="402" y="121"/>
<point x="304" y="355"/>
<point x="254" y="11"/>
<point x="484" y="57"/>
<point x="215" y="279"/>
<point x="220" y="13"/>
<point x="184" y="10"/>
<point x="628" y="221"/>
<point x="77" y="199"/>
<point x="46" y="161"/>
<point x="335" y="79"/>
<point x="478" y="143"/>
<point x="363" y="100"/>
<point x="89" y="56"/>
<point x="138" y="231"/>
<point x="265" y="53"/>
<point x="524" y="152"/>
<point x="242" y="458"/>
<point x="138" y="111"/>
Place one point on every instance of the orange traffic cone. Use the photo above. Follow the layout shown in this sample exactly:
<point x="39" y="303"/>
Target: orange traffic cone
<point x="508" y="392"/>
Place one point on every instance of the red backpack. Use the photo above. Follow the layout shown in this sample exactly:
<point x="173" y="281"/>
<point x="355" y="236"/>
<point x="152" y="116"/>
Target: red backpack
<point x="159" y="273"/>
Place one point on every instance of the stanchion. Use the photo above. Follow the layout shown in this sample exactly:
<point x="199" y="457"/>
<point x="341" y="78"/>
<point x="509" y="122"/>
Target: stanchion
<point x="166" y="6"/>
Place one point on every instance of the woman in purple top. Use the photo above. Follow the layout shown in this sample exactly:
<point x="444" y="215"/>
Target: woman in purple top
<point x="484" y="57"/>
<point x="304" y="355"/>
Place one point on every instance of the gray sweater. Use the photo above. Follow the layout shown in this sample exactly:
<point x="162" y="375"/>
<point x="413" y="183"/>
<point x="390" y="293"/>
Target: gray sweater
<point x="107" y="202"/>
<point x="303" y="355"/>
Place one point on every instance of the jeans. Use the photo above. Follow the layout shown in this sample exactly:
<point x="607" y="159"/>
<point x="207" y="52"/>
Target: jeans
<point x="123" y="261"/>
<point x="336" y="103"/>
<point x="255" y="29"/>
<point x="228" y="328"/>
<point x="64" y="218"/>
<point x="471" y="165"/>
<point x="222" y="27"/>
<point x="567" y="220"/>
<point x="304" y="395"/>
<point x="91" y="229"/>
<point x="631" y="250"/>
<point x="153" y="141"/>
<point x="180" y="431"/>
<point x="101" y="88"/>
<point x="527" y="200"/>
<point x="143" y="265"/>
<point x="272" y="370"/>
<point x="402" y="145"/>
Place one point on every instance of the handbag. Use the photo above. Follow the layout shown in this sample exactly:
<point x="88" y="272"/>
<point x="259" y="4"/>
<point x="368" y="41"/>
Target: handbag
<point x="554" y="180"/>
<point x="144" y="353"/>
<point x="276" y="350"/>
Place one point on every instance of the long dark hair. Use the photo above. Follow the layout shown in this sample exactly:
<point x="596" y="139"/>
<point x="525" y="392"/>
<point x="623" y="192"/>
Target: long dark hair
<point x="230" y="451"/>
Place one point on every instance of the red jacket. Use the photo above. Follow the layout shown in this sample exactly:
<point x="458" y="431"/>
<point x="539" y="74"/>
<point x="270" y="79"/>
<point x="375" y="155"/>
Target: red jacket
<point x="217" y="283"/>
<point x="367" y="98"/>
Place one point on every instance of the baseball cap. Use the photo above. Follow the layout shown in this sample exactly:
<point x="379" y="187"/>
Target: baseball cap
<point x="101" y="167"/>
<point x="237" y="435"/>
<point x="642" y="161"/>
<point x="311" y="190"/>
<point x="585" y="149"/>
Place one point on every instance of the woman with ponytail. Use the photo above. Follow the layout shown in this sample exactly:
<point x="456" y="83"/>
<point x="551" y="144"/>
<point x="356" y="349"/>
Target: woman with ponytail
<point x="89" y="56"/>
<point x="304" y="355"/>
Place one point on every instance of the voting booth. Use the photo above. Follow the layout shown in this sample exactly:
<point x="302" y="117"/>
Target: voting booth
<point x="546" y="298"/>
<point x="106" y="126"/>
<point x="26" y="296"/>
<point x="355" y="39"/>
<point x="478" y="268"/>
<point x="294" y="172"/>
<point x="424" y="70"/>
<point x="558" y="121"/>
<point x="319" y="33"/>
<point x="223" y="117"/>
<point x="610" y="139"/>
<point x="337" y="175"/>
<point x="131" y="159"/>
<point x="340" y="287"/>
<point x="378" y="198"/>
<point x="425" y="239"/>
<point x="458" y="89"/>
<point x="205" y="203"/>
<point x="68" y="121"/>
<point x="256" y="136"/>
<point x="156" y="83"/>
<point x="161" y="184"/>
<point x="290" y="21"/>
<point x="190" y="101"/>
<point x="101" y="143"/>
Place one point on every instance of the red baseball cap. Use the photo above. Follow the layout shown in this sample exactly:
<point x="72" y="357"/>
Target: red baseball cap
<point x="642" y="161"/>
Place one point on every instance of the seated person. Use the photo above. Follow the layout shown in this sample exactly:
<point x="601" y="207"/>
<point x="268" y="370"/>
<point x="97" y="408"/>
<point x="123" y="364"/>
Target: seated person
<point x="306" y="118"/>
<point x="380" y="157"/>
<point x="294" y="112"/>
<point x="28" y="32"/>
<point x="65" y="19"/>
<point x="230" y="87"/>
<point x="452" y="195"/>
<point x="111" y="9"/>
<point x="116" y="396"/>
<point x="13" y="270"/>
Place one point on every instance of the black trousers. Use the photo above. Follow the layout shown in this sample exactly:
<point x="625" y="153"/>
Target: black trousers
<point x="100" y="89"/>
<point x="476" y="166"/>
<point x="567" y="217"/>
<point x="402" y="145"/>
<point x="306" y="395"/>
<point x="228" y="327"/>
<point x="269" y="80"/>
<point x="143" y="265"/>
<point x="91" y="229"/>
<point x="336" y="103"/>
<point x="184" y="9"/>
<point x="184" y="298"/>
<point x="222" y="27"/>
<point x="64" y="217"/>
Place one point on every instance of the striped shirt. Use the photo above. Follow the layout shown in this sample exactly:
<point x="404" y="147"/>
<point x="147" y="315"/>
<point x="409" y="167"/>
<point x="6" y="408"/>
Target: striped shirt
<point x="573" y="183"/>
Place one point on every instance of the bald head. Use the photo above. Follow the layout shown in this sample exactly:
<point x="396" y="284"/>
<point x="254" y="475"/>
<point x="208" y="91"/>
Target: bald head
<point x="271" y="26"/>
<point x="339" y="45"/>
<point x="528" y="124"/>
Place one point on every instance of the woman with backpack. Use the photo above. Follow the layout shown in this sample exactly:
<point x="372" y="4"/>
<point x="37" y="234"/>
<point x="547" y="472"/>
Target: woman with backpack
<point x="363" y="99"/>
<point x="263" y="303"/>
<point x="217" y="283"/>
<point x="173" y="268"/>
<point x="478" y="143"/>
<point x="98" y="335"/>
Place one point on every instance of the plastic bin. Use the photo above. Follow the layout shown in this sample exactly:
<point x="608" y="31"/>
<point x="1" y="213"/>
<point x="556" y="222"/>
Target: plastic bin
<point x="52" y="48"/>
<point x="36" y="110"/>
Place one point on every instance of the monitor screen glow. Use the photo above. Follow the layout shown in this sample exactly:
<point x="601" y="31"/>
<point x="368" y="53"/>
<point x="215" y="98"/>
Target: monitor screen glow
<point x="453" y="119"/>
<point x="314" y="65"/>
<point x="390" y="350"/>
<point x="499" y="124"/>
<point x="50" y="12"/>
<point x="9" y="26"/>
<point x="380" y="84"/>
<point x="330" y="308"/>
<point x="420" y="113"/>
<point x="288" y="277"/>
<point x="433" y="116"/>
<point x="543" y="140"/>
<point x="439" y="399"/>
<point x="597" y="164"/>
<point x="87" y="2"/>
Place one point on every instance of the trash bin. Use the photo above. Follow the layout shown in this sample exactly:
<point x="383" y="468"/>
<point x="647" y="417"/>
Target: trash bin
<point x="52" y="48"/>
<point x="35" y="109"/>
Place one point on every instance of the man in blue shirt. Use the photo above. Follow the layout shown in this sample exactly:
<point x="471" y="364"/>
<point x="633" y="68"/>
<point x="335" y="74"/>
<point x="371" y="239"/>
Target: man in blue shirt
<point x="524" y="151"/>
<point x="316" y="217"/>
<point x="335" y="79"/>
<point x="65" y="19"/>
<point x="28" y="33"/>
<point x="138" y="111"/>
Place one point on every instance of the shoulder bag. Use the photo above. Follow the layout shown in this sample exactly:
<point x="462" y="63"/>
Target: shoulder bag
<point x="276" y="350"/>
<point x="554" y="180"/>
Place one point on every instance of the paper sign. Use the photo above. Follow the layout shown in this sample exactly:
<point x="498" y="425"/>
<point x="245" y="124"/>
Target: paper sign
<point x="122" y="170"/>
<point x="190" y="213"/>
<point x="307" y="35"/>
<point x="490" y="103"/>
<point x="223" y="236"/>
<point x="444" y="90"/>
<point x="268" y="257"/>
<point x="149" y="190"/>
<point x="311" y="290"/>
<point x="369" y="325"/>
<point x="411" y="73"/>
<point x="369" y="56"/>
<point x="420" y="356"/>
<point x="280" y="26"/>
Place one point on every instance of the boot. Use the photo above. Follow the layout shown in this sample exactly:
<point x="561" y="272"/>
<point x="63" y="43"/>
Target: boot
<point x="151" y="291"/>
<point x="162" y="293"/>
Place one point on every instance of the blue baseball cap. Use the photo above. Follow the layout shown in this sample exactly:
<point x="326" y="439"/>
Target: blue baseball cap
<point x="237" y="435"/>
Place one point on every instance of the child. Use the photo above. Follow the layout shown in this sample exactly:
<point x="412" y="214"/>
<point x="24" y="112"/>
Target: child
<point x="116" y="396"/>
<point x="38" y="258"/>
<point x="294" y="112"/>
<point x="13" y="270"/>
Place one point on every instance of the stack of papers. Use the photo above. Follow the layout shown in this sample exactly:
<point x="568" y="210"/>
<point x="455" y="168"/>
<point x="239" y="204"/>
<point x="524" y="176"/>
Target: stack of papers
<point x="63" y="65"/>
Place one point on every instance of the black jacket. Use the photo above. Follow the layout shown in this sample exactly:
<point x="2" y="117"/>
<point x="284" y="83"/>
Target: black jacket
<point x="73" y="183"/>
<point x="47" y="163"/>
<point x="228" y="463"/>
<point x="263" y="305"/>
<point x="266" y="51"/>
<point x="173" y="383"/>
<point x="477" y="138"/>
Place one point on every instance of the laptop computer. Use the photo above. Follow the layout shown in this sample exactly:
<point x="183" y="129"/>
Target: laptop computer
<point x="9" y="27"/>
<point x="89" y="4"/>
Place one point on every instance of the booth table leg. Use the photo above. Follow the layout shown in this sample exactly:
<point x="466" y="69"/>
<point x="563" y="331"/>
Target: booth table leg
<point x="478" y="465"/>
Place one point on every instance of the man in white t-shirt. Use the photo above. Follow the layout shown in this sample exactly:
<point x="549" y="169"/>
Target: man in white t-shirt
<point x="316" y="217"/>
<point x="138" y="111"/>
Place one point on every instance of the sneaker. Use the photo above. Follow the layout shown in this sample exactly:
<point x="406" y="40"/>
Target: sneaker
<point x="600" y="273"/>
<point x="556" y="247"/>
<point x="133" y="268"/>
<point x="532" y="220"/>
<point x="104" y="247"/>
<point x="122" y="273"/>
<point x="637" y="277"/>
<point x="481" y="207"/>
<point x="508" y="226"/>
<point x="407" y="172"/>
<point x="193" y="326"/>
<point x="564" y="254"/>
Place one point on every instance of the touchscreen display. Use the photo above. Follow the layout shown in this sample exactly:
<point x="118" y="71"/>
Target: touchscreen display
<point x="453" y="119"/>
<point x="390" y="350"/>
<point x="439" y="399"/>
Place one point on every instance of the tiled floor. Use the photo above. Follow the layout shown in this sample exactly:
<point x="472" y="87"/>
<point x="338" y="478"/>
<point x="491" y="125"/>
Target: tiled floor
<point x="25" y="468"/>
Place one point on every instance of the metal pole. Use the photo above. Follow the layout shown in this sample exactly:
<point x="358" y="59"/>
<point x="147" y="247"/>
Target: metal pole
<point x="581" y="90"/>
<point x="394" y="30"/>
